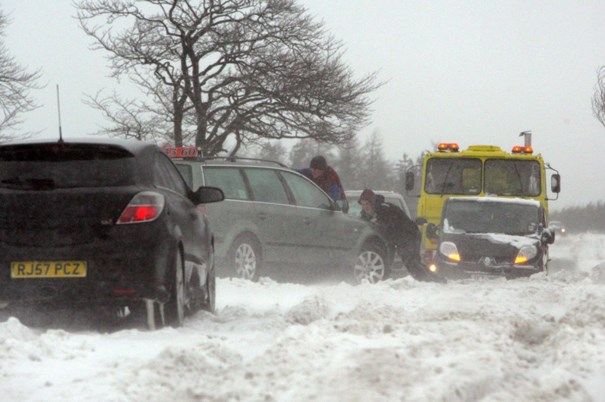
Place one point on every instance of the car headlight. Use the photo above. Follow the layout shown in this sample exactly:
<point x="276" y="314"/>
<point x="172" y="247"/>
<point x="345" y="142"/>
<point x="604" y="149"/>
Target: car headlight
<point x="525" y="254"/>
<point x="449" y="249"/>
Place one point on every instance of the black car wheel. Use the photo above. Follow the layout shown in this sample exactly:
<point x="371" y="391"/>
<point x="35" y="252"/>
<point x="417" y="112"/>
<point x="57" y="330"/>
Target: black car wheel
<point x="209" y="303"/>
<point x="175" y="308"/>
<point x="246" y="257"/>
<point x="370" y="265"/>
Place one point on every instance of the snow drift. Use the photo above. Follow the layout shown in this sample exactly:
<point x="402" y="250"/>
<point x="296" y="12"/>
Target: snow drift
<point x="539" y="339"/>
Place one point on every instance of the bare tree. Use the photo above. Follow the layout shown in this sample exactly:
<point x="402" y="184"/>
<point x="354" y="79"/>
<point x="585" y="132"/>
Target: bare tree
<point x="598" y="101"/>
<point x="235" y="70"/>
<point x="15" y="84"/>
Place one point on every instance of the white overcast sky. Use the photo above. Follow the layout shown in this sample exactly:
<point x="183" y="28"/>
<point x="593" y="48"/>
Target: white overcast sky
<point x="473" y="72"/>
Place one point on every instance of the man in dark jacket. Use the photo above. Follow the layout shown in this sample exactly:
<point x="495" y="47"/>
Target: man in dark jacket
<point x="327" y="179"/>
<point x="400" y="230"/>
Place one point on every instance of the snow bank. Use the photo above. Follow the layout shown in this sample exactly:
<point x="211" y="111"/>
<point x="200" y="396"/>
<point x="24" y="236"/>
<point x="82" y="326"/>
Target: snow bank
<point x="540" y="339"/>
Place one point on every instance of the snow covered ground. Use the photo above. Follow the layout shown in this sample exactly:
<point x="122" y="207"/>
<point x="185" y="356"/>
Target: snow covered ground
<point x="536" y="339"/>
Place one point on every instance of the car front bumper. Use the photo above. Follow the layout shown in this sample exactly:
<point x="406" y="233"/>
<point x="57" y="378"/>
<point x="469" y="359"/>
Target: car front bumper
<point x="465" y="270"/>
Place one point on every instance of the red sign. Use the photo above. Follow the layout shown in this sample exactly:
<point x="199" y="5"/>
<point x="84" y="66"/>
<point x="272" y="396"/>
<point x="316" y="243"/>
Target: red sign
<point x="180" y="152"/>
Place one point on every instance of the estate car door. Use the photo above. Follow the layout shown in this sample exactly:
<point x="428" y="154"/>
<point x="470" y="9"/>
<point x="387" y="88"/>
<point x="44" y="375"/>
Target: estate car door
<point x="326" y="237"/>
<point x="235" y="214"/>
<point x="273" y="211"/>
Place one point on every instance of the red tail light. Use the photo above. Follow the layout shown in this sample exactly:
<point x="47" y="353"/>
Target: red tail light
<point x="146" y="206"/>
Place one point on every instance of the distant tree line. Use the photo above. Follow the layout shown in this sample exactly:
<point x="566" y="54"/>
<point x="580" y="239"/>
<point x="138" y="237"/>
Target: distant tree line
<point x="589" y="218"/>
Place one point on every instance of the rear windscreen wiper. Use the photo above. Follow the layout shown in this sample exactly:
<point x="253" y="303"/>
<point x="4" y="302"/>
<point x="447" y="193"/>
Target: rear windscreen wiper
<point x="30" y="183"/>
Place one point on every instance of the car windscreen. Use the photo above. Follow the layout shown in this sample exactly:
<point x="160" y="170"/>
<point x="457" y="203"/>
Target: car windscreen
<point x="453" y="176"/>
<point x="512" y="177"/>
<point x="490" y="217"/>
<point x="50" y="166"/>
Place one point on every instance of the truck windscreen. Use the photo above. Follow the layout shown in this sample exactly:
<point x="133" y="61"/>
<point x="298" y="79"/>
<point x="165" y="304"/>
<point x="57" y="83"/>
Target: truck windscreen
<point x="512" y="177"/>
<point x="453" y="176"/>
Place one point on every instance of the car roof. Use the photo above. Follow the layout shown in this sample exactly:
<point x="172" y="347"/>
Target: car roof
<point x="227" y="161"/>
<point x="380" y="192"/>
<point x="132" y="146"/>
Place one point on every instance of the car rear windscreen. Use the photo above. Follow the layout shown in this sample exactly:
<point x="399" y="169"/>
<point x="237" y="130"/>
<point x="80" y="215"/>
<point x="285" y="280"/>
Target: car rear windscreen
<point x="49" y="166"/>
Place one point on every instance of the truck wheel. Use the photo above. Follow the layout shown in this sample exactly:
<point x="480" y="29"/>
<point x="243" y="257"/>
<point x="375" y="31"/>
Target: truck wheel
<point x="370" y="265"/>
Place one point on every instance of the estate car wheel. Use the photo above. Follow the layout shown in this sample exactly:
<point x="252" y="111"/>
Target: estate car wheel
<point x="370" y="265"/>
<point x="245" y="256"/>
<point x="175" y="308"/>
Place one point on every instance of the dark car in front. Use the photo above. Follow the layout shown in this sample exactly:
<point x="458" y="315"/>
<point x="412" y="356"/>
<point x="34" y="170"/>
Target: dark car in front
<point x="491" y="236"/>
<point x="103" y="223"/>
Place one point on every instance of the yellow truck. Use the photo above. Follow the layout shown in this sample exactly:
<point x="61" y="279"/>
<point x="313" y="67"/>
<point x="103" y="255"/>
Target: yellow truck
<point x="479" y="170"/>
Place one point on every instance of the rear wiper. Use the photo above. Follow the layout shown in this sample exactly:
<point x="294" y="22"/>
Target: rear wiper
<point x="31" y="183"/>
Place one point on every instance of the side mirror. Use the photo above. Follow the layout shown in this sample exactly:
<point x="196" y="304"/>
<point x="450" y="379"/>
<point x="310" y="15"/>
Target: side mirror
<point x="341" y="205"/>
<point x="421" y="221"/>
<point x="409" y="181"/>
<point x="548" y="236"/>
<point x="207" y="195"/>
<point x="432" y="231"/>
<point x="555" y="183"/>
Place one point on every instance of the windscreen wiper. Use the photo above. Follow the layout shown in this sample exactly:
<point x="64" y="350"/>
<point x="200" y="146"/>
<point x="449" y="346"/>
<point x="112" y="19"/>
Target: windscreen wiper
<point x="445" y="178"/>
<point x="31" y="183"/>
<point x="519" y="177"/>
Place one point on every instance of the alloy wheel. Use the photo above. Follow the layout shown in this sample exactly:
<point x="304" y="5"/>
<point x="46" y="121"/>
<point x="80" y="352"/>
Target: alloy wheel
<point x="369" y="267"/>
<point x="245" y="261"/>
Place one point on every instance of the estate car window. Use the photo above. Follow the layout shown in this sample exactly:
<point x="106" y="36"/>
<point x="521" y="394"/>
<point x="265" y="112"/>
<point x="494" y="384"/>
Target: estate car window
<point x="168" y="176"/>
<point x="266" y="186"/>
<point x="230" y="180"/>
<point x="185" y="171"/>
<point x="305" y="193"/>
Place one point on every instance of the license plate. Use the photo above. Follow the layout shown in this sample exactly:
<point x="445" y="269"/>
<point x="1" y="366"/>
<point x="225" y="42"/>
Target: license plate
<point x="48" y="269"/>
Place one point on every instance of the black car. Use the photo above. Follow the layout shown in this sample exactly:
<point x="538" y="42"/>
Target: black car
<point x="277" y="222"/>
<point x="487" y="236"/>
<point x="106" y="223"/>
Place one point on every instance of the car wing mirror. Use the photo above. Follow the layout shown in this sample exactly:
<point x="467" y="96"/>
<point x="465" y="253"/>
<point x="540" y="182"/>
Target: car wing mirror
<point x="548" y="236"/>
<point x="421" y="221"/>
<point x="555" y="183"/>
<point x="432" y="231"/>
<point x="207" y="195"/>
<point x="340" y="205"/>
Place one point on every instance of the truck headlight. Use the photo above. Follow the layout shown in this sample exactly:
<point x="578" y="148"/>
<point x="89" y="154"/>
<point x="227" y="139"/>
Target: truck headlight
<point x="525" y="254"/>
<point x="449" y="249"/>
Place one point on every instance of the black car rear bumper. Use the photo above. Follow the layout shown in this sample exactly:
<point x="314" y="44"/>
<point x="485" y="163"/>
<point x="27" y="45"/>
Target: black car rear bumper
<point x="130" y="263"/>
